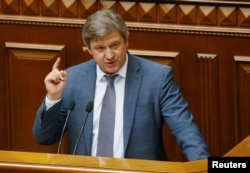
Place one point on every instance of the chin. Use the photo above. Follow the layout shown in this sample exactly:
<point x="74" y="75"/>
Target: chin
<point x="112" y="71"/>
<point x="109" y="73"/>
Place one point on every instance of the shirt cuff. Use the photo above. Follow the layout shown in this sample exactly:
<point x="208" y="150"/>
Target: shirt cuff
<point x="49" y="103"/>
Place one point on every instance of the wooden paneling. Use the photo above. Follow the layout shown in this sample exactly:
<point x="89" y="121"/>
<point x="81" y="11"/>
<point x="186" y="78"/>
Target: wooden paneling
<point x="27" y="66"/>
<point x="208" y="108"/>
<point x="242" y="64"/>
<point x="207" y="44"/>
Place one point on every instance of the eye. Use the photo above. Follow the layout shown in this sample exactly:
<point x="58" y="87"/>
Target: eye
<point x="115" y="45"/>
<point x="100" y="49"/>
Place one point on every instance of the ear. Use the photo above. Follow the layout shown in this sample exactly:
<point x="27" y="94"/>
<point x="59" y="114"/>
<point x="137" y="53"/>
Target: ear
<point x="89" y="50"/>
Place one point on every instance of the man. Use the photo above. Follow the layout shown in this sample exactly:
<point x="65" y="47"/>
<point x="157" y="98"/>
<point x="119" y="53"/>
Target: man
<point x="146" y="97"/>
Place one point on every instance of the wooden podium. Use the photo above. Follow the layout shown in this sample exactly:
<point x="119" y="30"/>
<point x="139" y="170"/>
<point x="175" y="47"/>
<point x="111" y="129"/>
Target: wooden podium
<point x="242" y="149"/>
<point x="25" y="162"/>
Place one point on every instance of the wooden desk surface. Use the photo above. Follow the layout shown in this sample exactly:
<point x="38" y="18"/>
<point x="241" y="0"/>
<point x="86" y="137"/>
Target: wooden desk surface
<point x="241" y="149"/>
<point x="44" y="162"/>
<point x="14" y="161"/>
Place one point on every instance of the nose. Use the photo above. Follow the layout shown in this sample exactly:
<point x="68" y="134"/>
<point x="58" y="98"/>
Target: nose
<point x="109" y="53"/>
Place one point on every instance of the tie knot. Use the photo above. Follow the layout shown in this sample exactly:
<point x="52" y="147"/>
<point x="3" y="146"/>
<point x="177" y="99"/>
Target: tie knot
<point x="111" y="79"/>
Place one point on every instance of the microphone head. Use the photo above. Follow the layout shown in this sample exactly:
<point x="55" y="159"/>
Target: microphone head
<point x="89" y="106"/>
<point x="71" y="105"/>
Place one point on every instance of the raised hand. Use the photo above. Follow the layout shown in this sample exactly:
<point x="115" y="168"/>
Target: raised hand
<point x="55" y="81"/>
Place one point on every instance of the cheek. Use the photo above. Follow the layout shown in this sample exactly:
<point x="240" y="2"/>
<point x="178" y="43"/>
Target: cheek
<point x="95" y="54"/>
<point x="122" y="51"/>
<point x="97" y="57"/>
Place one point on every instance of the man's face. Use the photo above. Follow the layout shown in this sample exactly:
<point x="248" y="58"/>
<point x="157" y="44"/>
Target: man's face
<point x="109" y="52"/>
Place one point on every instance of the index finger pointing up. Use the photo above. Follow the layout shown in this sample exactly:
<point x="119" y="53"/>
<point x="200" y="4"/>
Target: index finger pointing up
<point x="56" y="64"/>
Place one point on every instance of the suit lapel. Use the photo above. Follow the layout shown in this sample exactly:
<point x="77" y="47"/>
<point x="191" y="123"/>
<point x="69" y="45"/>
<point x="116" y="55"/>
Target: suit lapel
<point x="89" y="80"/>
<point x="132" y="87"/>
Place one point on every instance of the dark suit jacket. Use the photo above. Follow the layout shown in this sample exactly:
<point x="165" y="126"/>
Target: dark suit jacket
<point x="151" y="98"/>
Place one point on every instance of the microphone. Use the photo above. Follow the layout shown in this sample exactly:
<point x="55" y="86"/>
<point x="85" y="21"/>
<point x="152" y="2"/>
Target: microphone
<point x="71" y="106"/>
<point x="89" y="108"/>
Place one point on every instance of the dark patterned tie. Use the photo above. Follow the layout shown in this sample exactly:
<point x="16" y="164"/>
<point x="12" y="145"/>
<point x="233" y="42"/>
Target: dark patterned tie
<point x="107" y="120"/>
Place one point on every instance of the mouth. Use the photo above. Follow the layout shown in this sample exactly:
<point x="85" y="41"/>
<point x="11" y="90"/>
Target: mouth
<point x="111" y="63"/>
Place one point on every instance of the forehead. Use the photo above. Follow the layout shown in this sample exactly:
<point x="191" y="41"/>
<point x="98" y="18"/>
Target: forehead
<point x="110" y="38"/>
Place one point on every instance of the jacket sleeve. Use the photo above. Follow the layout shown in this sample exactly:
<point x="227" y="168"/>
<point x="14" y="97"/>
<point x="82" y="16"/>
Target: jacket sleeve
<point x="180" y="120"/>
<point x="48" y="124"/>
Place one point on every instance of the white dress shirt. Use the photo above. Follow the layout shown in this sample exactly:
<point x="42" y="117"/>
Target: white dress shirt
<point x="101" y="84"/>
